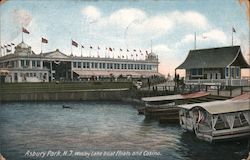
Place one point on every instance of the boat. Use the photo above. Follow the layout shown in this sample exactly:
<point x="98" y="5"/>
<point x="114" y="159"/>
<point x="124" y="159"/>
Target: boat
<point x="163" y="108"/>
<point x="217" y="120"/>
<point x="66" y="107"/>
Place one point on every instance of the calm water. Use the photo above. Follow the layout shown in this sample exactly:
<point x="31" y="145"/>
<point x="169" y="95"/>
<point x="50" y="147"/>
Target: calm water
<point x="94" y="128"/>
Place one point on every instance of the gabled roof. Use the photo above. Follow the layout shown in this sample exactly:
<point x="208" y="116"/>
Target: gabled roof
<point x="214" y="58"/>
<point x="55" y="54"/>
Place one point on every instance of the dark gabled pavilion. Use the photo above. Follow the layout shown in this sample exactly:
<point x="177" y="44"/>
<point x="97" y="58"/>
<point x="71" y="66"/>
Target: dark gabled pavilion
<point x="214" y="63"/>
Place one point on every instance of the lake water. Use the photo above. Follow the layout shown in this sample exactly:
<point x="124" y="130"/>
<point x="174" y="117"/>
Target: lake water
<point x="99" y="131"/>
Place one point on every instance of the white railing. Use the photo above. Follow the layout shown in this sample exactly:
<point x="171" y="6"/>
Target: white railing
<point x="226" y="82"/>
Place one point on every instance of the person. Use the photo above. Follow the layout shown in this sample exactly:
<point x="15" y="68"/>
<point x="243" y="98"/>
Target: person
<point x="1" y="157"/>
<point x="248" y="158"/>
<point x="148" y="84"/>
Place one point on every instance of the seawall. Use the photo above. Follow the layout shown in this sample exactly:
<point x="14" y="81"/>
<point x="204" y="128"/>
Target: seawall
<point x="74" y="95"/>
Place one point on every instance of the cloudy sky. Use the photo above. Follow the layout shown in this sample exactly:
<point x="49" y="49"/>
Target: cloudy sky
<point x="133" y="24"/>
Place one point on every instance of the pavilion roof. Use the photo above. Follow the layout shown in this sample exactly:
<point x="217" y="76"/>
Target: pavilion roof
<point x="214" y="58"/>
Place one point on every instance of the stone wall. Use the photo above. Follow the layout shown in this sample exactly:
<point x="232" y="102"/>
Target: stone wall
<point x="84" y="95"/>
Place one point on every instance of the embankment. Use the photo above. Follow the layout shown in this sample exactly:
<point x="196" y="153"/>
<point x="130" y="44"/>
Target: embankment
<point x="71" y="91"/>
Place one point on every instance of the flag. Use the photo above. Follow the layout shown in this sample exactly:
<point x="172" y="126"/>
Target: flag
<point x="204" y="37"/>
<point x="44" y="40"/>
<point x="25" y="30"/>
<point x="110" y="49"/>
<point x="90" y="47"/>
<point x="74" y="43"/>
<point x="8" y="50"/>
<point x="233" y="30"/>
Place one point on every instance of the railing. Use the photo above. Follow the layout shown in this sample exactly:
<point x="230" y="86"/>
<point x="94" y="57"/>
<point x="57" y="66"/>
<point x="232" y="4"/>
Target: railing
<point x="224" y="82"/>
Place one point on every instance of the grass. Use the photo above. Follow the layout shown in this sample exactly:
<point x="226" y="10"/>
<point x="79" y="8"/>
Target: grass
<point x="52" y="87"/>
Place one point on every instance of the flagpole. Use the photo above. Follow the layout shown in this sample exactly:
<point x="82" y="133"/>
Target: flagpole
<point x="71" y="48"/>
<point x="106" y="53"/>
<point x="195" y="40"/>
<point x="151" y="45"/>
<point x="41" y="45"/>
<point x="22" y="32"/>
<point x="81" y="50"/>
<point x="232" y="37"/>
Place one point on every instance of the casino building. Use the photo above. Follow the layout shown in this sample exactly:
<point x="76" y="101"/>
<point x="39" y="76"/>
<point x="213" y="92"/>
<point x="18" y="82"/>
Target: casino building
<point x="25" y="66"/>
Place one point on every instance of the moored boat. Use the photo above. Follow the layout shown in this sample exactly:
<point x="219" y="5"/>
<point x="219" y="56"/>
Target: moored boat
<point x="163" y="108"/>
<point x="217" y="120"/>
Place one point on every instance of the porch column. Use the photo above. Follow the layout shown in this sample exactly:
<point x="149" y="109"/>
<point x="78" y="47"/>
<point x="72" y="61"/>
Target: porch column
<point x="19" y="64"/>
<point x="71" y="70"/>
<point x="41" y="64"/>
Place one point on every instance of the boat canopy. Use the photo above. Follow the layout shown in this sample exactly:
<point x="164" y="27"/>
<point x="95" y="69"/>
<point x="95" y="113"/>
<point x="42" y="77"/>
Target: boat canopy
<point x="220" y="107"/>
<point x="175" y="97"/>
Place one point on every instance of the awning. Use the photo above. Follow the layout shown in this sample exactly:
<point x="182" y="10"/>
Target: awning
<point x="175" y="97"/>
<point x="104" y="73"/>
<point x="4" y="72"/>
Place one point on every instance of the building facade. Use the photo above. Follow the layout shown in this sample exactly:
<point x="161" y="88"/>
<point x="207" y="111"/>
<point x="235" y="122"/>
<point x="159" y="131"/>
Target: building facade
<point x="215" y="65"/>
<point x="26" y="66"/>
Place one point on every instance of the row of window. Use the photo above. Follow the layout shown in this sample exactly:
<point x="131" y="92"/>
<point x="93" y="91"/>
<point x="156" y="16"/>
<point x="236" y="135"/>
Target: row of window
<point x="100" y="65"/>
<point x="235" y="72"/>
<point x="34" y="63"/>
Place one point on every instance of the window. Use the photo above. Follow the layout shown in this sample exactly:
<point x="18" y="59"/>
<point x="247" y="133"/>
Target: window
<point x="84" y="65"/>
<point x="74" y="64"/>
<point x="38" y="63"/>
<point x="237" y="72"/>
<point x="196" y="71"/>
<point x="226" y="70"/>
<point x="27" y="62"/>
<point x="33" y="63"/>
<point x="22" y="63"/>
<point x="88" y="65"/>
<point x="79" y="65"/>
<point x="232" y="73"/>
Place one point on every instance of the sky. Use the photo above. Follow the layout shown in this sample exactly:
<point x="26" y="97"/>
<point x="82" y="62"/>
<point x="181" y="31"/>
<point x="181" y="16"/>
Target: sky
<point x="168" y="26"/>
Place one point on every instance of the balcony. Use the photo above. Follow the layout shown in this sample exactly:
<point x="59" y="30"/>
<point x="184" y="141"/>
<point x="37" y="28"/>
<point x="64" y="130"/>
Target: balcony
<point x="223" y="82"/>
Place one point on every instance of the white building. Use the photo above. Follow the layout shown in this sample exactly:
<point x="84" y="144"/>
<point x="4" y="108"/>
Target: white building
<point x="26" y="66"/>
